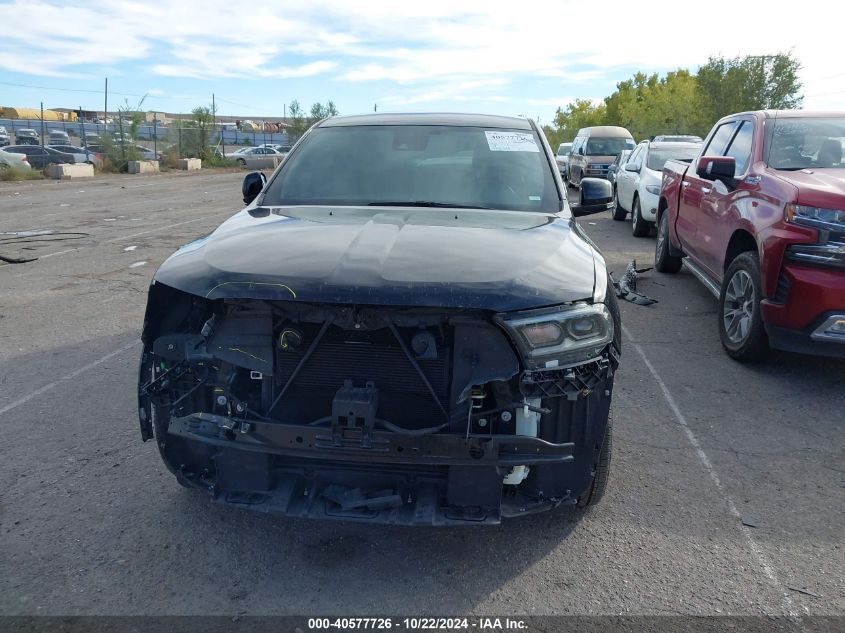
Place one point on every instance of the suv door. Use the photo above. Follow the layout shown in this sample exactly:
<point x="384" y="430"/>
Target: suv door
<point x="626" y="179"/>
<point x="719" y="214"/>
<point x="693" y="192"/>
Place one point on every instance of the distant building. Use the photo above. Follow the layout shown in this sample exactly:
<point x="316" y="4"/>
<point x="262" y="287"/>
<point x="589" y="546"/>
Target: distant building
<point x="35" y="114"/>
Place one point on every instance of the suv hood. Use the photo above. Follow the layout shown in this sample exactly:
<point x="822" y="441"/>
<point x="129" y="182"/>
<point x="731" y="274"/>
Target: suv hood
<point x="452" y="258"/>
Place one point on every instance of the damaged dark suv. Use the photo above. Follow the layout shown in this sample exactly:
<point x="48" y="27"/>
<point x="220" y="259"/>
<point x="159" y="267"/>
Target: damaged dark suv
<point x="405" y="325"/>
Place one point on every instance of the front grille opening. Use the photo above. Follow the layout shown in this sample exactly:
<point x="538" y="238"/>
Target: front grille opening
<point x="361" y="356"/>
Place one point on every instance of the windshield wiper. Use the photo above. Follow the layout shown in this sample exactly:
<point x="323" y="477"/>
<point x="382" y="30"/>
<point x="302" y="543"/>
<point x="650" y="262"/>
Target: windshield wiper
<point x="423" y="203"/>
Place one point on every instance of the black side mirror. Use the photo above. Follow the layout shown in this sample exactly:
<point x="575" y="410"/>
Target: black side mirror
<point x="596" y="196"/>
<point x="253" y="184"/>
<point x="716" y="167"/>
<point x="581" y="151"/>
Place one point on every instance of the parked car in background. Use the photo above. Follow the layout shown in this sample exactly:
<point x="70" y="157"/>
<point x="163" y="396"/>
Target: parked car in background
<point x="39" y="156"/>
<point x="594" y="149"/>
<point x="148" y="153"/>
<point x="258" y="157"/>
<point x="613" y="171"/>
<point x="13" y="160"/>
<point x="90" y="138"/>
<point x="4" y="137"/>
<point x="759" y="218"/>
<point x="405" y="321"/>
<point x="284" y="149"/>
<point x="58" y="137"/>
<point x="562" y="158"/>
<point x="80" y="154"/>
<point x="677" y="138"/>
<point x="638" y="182"/>
<point x="27" y="136"/>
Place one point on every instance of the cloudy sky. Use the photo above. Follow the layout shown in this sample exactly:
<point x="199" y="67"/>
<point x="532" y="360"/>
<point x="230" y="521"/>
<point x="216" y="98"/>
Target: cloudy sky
<point x="518" y="58"/>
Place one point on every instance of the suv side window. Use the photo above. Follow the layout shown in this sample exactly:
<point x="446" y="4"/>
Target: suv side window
<point x="635" y="159"/>
<point x="720" y="140"/>
<point x="740" y="147"/>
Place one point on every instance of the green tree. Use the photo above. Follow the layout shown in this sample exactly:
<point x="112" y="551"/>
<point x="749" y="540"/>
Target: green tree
<point x="579" y="113"/>
<point x="298" y="123"/>
<point x="753" y="82"/>
<point x="195" y="135"/>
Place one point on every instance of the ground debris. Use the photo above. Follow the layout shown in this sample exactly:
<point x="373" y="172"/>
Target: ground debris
<point x="804" y="591"/>
<point x="626" y="287"/>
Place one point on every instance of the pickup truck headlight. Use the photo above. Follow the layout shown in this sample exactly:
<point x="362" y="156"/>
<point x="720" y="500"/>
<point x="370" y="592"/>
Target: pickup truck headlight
<point x="829" y="251"/>
<point x="562" y="336"/>
<point x="815" y="216"/>
<point x="655" y="189"/>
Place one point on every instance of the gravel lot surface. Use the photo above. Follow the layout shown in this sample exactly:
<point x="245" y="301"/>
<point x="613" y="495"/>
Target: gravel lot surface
<point x="726" y="495"/>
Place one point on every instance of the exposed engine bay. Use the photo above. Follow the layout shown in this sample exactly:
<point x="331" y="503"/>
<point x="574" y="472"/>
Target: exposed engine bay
<point x="417" y="415"/>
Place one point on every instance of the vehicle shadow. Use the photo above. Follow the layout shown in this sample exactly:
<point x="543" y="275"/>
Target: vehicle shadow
<point x="328" y="567"/>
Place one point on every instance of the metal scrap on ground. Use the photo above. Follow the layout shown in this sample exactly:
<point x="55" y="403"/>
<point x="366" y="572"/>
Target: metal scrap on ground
<point x="626" y="288"/>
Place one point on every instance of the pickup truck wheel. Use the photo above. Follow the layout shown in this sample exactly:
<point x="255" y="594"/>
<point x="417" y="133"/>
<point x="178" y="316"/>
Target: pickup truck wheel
<point x="598" y="487"/>
<point x="619" y="213"/>
<point x="664" y="261"/>
<point x="639" y="227"/>
<point x="740" y="322"/>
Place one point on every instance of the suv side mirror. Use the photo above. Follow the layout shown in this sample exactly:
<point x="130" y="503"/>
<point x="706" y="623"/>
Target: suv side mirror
<point x="596" y="196"/>
<point x="253" y="184"/>
<point x="631" y="167"/>
<point x="716" y="167"/>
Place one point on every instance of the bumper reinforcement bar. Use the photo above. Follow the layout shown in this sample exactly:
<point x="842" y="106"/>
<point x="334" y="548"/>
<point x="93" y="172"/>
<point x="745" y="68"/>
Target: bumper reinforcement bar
<point x="382" y="446"/>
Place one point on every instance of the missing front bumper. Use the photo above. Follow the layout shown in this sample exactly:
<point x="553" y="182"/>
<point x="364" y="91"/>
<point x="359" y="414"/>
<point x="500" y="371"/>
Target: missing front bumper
<point x="309" y="472"/>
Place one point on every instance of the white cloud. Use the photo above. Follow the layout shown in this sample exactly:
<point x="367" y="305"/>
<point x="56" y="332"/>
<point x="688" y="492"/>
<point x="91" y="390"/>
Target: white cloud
<point x="431" y="51"/>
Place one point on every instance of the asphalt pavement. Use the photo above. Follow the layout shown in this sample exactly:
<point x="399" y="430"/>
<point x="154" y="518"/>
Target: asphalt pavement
<point x="727" y="494"/>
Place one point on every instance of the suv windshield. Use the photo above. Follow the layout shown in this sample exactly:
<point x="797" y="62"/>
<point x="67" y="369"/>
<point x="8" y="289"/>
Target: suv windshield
<point x="799" y="143"/>
<point x="418" y="165"/>
<point x="609" y="146"/>
<point x="563" y="149"/>
<point x="658" y="157"/>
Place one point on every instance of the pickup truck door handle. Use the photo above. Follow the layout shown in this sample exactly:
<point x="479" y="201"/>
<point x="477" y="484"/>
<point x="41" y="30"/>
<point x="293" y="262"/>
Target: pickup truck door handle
<point x="684" y="184"/>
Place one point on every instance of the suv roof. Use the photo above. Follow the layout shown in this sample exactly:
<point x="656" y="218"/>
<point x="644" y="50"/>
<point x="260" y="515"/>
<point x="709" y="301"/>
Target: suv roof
<point x="429" y="118"/>
<point x="673" y="144"/>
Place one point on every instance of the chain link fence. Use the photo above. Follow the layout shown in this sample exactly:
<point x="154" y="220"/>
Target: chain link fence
<point x="118" y="138"/>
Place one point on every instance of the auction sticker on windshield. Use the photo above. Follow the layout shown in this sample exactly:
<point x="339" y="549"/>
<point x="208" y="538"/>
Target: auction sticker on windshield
<point x="499" y="141"/>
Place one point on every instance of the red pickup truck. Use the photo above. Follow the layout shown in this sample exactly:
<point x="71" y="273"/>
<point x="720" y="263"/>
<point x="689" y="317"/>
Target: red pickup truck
<point x="759" y="218"/>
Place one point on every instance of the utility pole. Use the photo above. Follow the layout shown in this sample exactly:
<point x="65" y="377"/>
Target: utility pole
<point x="375" y="107"/>
<point x="214" y="119"/>
<point x="84" y="143"/>
<point x="42" y="124"/>
<point x="106" y="104"/>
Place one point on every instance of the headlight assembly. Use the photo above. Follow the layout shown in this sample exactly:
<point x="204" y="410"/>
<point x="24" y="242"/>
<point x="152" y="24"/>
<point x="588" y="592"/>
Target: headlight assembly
<point x="814" y="216"/>
<point x="560" y="336"/>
